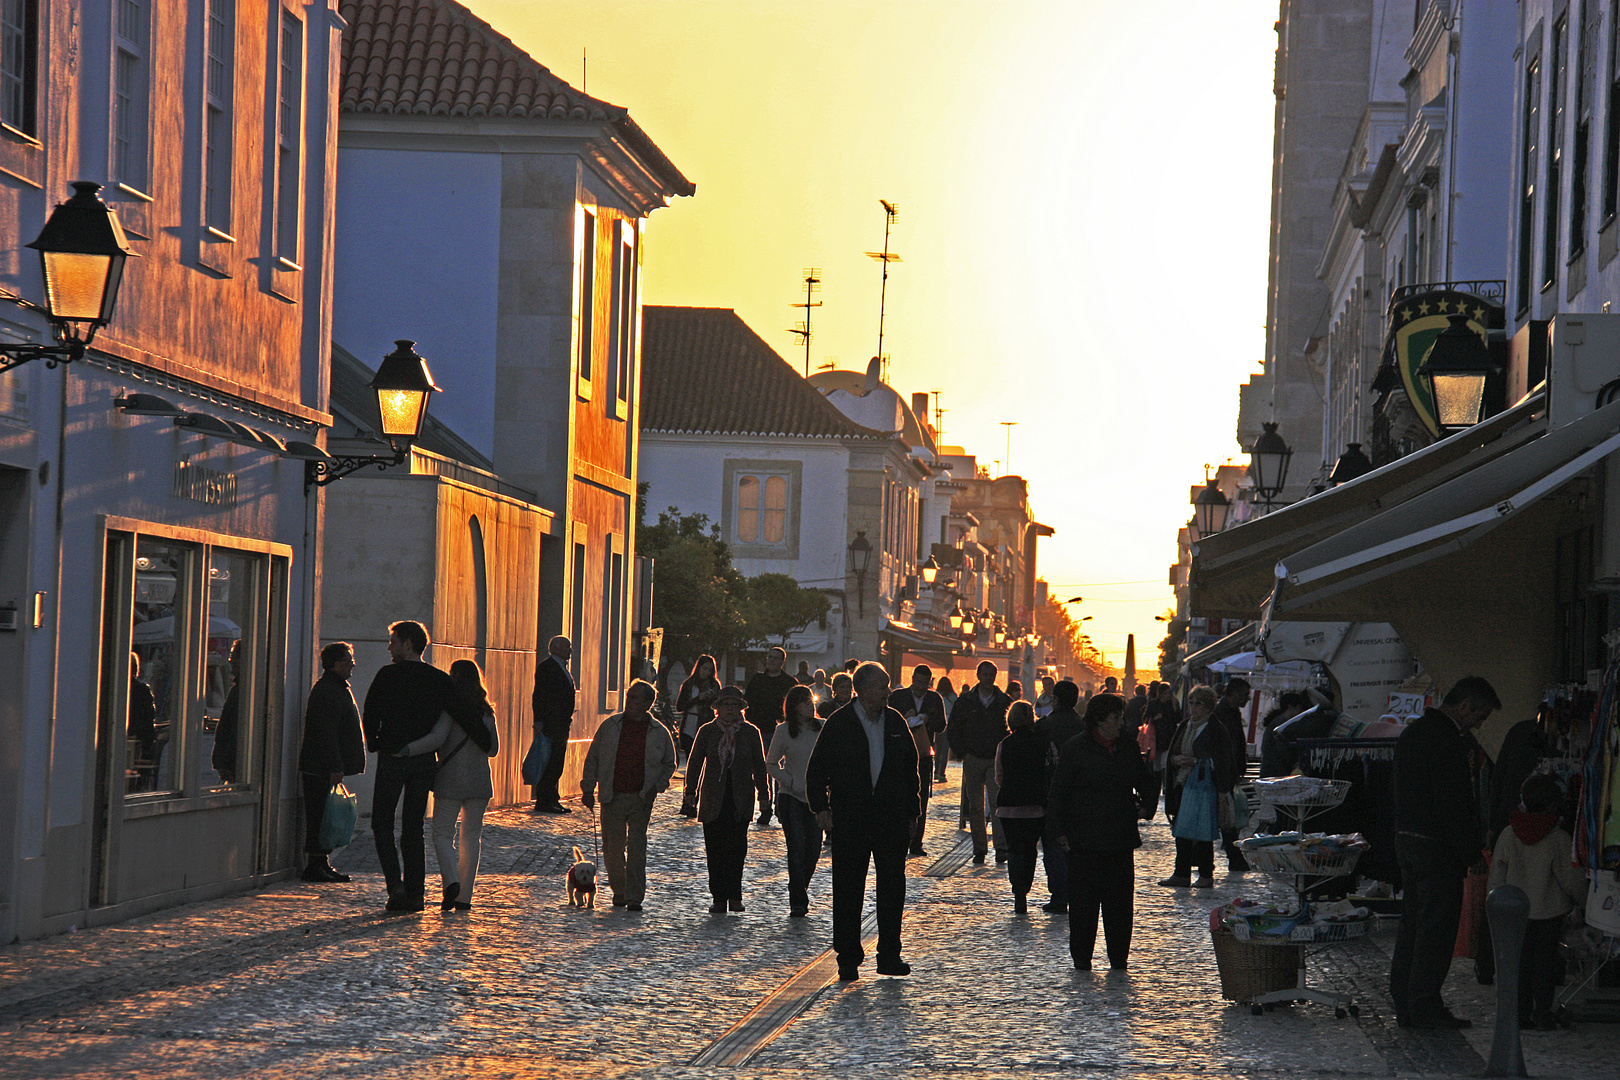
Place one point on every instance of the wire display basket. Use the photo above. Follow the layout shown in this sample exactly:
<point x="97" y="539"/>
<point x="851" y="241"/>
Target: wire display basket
<point x="1303" y="792"/>
<point x="1293" y="859"/>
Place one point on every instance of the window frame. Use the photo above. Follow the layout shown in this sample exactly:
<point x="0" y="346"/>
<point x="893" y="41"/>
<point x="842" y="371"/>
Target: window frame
<point x="218" y="118"/>
<point x="287" y="152"/>
<point x="1580" y="183"/>
<point x="1529" y="172"/>
<point x="623" y="338"/>
<point x="734" y="471"/>
<point x="1611" y="125"/>
<point x="1557" y="88"/>
<point x="612" y="638"/>
<point x="131" y="106"/>
<point x="25" y="123"/>
<point x="585" y="310"/>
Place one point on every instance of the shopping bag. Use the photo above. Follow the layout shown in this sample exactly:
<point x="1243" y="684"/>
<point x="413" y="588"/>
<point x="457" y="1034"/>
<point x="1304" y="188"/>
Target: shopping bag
<point x="534" y="762"/>
<point x="337" y="821"/>
<point x="1475" y="886"/>
<point x="1240" y="808"/>
<point x="1197" y="818"/>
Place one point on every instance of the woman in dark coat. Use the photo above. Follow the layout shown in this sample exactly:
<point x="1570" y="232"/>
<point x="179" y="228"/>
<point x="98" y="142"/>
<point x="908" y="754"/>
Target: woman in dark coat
<point x="1197" y="739"/>
<point x="724" y="771"/>
<point x="1022" y="776"/>
<point x="1100" y="789"/>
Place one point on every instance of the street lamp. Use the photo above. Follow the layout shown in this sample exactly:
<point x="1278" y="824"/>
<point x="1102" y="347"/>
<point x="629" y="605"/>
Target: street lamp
<point x="860" y="557"/>
<point x="1351" y="464"/>
<point x="956" y="617"/>
<point x="1210" y="509"/>
<point x="81" y="251"/>
<point x="1456" y="369"/>
<point x="1268" y="463"/>
<point x="929" y="570"/>
<point x="403" y="385"/>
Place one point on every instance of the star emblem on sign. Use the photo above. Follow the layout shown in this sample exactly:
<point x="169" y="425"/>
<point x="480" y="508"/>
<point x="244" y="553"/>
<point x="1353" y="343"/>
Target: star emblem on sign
<point x="1423" y="308"/>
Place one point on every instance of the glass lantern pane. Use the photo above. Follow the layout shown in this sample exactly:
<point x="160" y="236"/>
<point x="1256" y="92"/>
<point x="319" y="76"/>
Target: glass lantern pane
<point x="75" y="284"/>
<point x="401" y="412"/>
<point x="1458" y="399"/>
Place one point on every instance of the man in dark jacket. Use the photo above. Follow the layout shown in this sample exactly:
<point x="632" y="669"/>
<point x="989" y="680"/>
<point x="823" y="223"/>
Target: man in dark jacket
<point x="1229" y="713"/>
<point x="333" y="747"/>
<point x="1056" y="728"/>
<point x="553" y="713"/>
<point x="862" y="787"/>
<point x="402" y="705"/>
<point x="924" y="711"/>
<point x="765" y="693"/>
<point x="977" y="725"/>
<point x="1437" y="838"/>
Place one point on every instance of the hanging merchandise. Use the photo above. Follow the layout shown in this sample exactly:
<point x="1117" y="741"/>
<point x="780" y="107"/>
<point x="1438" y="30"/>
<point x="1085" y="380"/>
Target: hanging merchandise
<point x="1597" y="830"/>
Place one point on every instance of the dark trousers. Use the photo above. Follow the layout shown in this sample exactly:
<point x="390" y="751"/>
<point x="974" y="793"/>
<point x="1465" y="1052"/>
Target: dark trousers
<point x="802" y="835"/>
<point x="725" y="847"/>
<point x="1056" y="861"/>
<point x="883" y="844"/>
<point x="545" y="791"/>
<point x="1539" y="968"/>
<point x="316" y="788"/>
<point x="1432" y="884"/>
<point x="920" y="826"/>
<point x="1234" y="854"/>
<point x="1023" y="838"/>
<point x="1194" y="853"/>
<point x="1106" y="881"/>
<point x="412" y="777"/>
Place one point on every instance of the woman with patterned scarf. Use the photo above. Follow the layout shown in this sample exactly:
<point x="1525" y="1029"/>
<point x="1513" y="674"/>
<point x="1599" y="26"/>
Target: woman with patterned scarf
<point x="724" y="774"/>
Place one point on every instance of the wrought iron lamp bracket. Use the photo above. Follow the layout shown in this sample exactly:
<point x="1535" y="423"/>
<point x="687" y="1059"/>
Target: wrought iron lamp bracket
<point x="321" y="473"/>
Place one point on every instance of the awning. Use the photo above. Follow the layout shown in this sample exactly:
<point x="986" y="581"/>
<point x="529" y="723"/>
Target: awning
<point x="937" y="649"/>
<point x="1237" y="641"/>
<point x="1233" y="571"/>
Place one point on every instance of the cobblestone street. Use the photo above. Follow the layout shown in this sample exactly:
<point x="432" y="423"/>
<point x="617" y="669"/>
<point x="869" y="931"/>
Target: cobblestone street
<point x="304" y="980"/>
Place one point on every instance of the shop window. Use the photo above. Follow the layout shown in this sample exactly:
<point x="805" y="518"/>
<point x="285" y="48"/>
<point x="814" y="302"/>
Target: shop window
<point x="188" y="661"/>
<point x="19" y="65"/>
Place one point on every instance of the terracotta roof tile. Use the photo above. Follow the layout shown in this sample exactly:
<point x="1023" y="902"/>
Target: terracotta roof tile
<point x="704" y="371"/>
<point x="436" y="58"/>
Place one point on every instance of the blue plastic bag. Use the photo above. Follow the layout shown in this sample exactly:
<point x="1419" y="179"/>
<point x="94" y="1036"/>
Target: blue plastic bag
<point x="1199" y="817"/>
<point x="337" y="822"/>
<point x="535" y="761"/>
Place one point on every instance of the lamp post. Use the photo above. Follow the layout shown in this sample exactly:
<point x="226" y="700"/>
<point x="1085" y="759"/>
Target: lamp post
<point x="1455" y="371"/>
<point x="1211" y="508"/>
<point x="860" y="557"/>
<point x="403" y="385"/>
<point x="929" y="570"/>
<point x="1268" y="463"/>
<point x="1351" y="464"/>
<point x="82" y="252"/>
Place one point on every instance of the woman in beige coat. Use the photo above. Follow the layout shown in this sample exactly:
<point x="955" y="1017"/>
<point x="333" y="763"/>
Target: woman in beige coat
<point x="724" y="772"/>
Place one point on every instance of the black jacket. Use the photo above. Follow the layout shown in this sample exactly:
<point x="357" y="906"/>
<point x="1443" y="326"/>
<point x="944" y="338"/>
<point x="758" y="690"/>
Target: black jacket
<point x="975" y="728"/>
<point x="765" y="694"/>
<point x="1098" y="794"/>
<point x="553" y="700"/>
<point x="1058" y="727"/>
<point x="932" y="710"/>
<point x="1434" y="790"/>
<point x="1165" y="718"/>
<point x="1024" y="772"/>
<point x="332" y="738"/>
<point x="839" y="776"/>
<point x="404" y="702"/>
<point x="1522" y="747"/>
<point x="142" y="712"/>
<point x="1231" y="718"/>
<point x="1135" y="711"/>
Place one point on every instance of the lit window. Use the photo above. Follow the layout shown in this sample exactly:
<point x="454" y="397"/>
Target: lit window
<point x="748" y="509"/>
<point x="775" y="509"/>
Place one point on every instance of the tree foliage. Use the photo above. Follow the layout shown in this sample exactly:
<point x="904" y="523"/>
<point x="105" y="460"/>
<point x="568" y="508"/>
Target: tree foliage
<point x="776" y="606"/>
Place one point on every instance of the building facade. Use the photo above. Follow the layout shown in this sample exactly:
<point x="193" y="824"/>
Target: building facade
<point x="159" y="576"/>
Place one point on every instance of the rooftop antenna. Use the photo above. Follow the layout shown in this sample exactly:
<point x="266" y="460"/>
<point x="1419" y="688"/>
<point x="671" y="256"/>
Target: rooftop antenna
<point x="939" y="418"/>
<point x="1009" y="425"/>
<point x="890" y="212"/>
<point x="812" y="285"/>
<point x="584" y="75"/>
<point x="828" y="363"/>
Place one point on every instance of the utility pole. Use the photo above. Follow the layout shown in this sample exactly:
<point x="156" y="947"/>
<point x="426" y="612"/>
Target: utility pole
<point x="890" y="212"/>
<point x="1007" y="461"/>
<point x="812" y="285"/>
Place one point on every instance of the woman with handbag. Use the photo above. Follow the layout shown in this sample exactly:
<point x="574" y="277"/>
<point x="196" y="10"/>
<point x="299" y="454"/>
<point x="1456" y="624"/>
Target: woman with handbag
<point x="725" y="770"/>
<point x="1199" y="773"/>
<point x="694" y="704"/>
<point x="461" y="785"/>
<point x="1022" y="781"/>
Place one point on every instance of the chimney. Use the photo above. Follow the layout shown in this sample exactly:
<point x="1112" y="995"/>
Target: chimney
<point x="919" y="405"/>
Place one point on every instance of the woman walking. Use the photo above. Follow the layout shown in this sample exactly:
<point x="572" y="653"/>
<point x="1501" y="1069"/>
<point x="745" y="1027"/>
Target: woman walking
<point x="942" y="745"/>
<point x="1023" y="779"/>
<point x="461" y="787"/>
<point x="786" y="761"/>
<point x="1100" y="789"/>
<point x="694" y="705"/>
<point x="1197" y="745"/>
<point x="724" y="771"/>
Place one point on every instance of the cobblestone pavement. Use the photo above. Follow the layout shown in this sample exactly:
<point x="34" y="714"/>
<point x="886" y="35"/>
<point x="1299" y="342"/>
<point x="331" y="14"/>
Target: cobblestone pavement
<point x="297" y="980"/>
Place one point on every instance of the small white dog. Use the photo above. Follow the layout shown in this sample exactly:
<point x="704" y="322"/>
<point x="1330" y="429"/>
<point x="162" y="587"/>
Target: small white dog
<point x="581" y="881"/>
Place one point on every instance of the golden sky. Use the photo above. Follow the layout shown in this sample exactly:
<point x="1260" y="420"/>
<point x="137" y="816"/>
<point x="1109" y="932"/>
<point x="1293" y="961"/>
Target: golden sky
<point x="1084" y="196"/>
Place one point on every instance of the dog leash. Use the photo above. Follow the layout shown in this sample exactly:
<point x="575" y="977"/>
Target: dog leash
<point x="596" y="849"/>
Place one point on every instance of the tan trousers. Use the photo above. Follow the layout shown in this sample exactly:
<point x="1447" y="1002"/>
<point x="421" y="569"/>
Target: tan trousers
<point x="624" y="845"/>
<point x="979" y="781"/>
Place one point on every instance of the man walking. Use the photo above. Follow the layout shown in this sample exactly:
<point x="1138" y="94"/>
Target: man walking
<point x="333" y="747"/>
<point x="553" y="712"/>
<point x="1437" y="838"/>
<point x="1229" y="714"/>
<point x="631" y="760"/>
<point x="862" y="784"/>
<point x="765" y="693"/>
<point x="1056" y="728"/>
<point x="924" y="712"/>
<point x="977" y="725"/>
<point x="402" y="705"/>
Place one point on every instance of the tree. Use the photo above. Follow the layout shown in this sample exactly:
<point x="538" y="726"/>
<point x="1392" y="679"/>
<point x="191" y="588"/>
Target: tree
<point x="776" y="607"/>
<point x="1069" y="648"/>
<point x="1170" y="648"/>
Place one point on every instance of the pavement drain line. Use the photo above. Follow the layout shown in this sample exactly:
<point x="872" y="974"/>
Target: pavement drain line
<point x="953" y="860"/>
<point x="781" y="1007"/>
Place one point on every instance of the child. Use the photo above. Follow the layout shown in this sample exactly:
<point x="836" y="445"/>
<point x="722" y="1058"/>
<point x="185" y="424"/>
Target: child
<point x="1534" y="854"/>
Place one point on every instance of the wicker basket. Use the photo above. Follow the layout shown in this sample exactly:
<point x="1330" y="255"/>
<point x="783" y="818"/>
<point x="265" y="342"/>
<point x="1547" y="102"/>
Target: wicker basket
<point x="1252" y="968"/>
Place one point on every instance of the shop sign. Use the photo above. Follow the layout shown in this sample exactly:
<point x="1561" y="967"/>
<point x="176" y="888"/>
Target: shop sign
<point x="201" y="484"/>
<point x="1414" y="322"/>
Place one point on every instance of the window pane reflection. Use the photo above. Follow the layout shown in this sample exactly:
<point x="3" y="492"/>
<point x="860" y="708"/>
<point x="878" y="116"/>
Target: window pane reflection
<point x="228" y="703"/>
<point x="157" y="668"/>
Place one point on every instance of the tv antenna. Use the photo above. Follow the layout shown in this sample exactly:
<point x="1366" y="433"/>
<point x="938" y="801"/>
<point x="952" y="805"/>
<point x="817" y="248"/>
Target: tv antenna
<point x="812" y="285"/>
<point x="939" y="419"/>
<point x="890" y="212"/>
<point x="1007" y="461"/>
